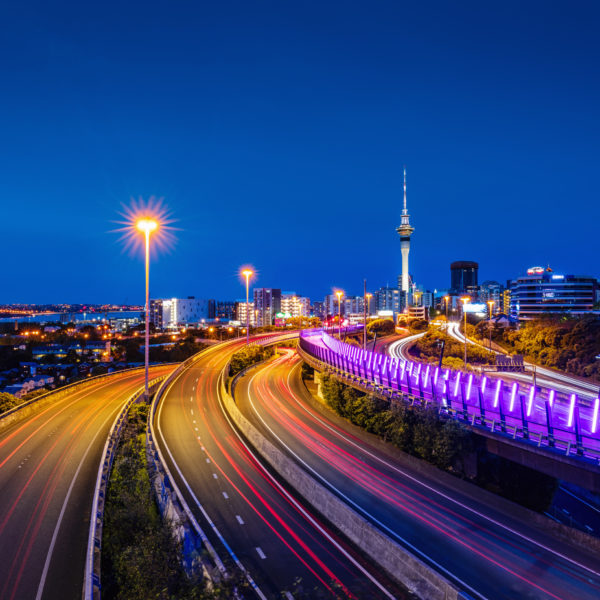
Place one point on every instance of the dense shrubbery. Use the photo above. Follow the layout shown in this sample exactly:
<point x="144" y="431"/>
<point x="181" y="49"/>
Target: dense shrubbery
<point x="570" y="345"/>
<point x="8" y="401"/>
<point x="380" y="327"/>
<point x="141" y="558"/>
<point x="415" y="430"/>
<point x="249" y="356"/>
<point x="427" y="348"/>
<point x="445" y="443"/>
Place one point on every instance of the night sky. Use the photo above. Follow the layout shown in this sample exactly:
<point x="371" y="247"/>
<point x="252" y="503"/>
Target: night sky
<point x="276" y="133"/>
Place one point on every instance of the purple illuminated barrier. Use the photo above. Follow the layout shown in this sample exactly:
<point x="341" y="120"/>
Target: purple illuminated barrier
<point x="540" y="415"/>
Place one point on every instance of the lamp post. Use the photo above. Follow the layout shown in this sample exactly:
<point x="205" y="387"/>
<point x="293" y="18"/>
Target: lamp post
<point x="490" y="303"/>
<point x="446" y="299"/>
<point x="147" y="226"/>
<point x="339" y="295"/>
<point x="365" y="314"/>
<point x="247" y="273"/>
<point x="465" y="300"/>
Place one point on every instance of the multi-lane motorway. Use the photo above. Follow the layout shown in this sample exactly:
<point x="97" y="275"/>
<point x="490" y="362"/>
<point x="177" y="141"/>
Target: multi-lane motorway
<point x="459" y="531"/>
<point x="567" y="384"/>
<point x="48" y="468"/>
<point x="253" y="523"/>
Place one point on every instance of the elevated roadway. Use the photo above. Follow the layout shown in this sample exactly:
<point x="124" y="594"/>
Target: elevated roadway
<point x="255" y="526"/>
<point x="48" y="468"/>
<point x="457" y="529"/>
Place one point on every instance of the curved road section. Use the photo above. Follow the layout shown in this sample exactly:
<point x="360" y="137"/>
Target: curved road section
<point x="48" y="467"/>
<point x="253" y="523"/>
<point x="460" y="531"/>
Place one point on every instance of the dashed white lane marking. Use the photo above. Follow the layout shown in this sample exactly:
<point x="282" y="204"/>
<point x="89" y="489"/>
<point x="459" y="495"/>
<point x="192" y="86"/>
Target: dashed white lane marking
<point x="225" y="496"/>
<point x="191" y="398"/>
<point x="215" y="476"/>
<point x="199" y="437"/>
<point x="239" y="520"/>
<point x="289" y="596"/>
<point x="208" y="460"/>
<point x="192" y="410"/>
<point x="202" y="447"/>
<point x="194" y="421"/>
<point x="196" y="428"/>
<point x="260" y="553"/>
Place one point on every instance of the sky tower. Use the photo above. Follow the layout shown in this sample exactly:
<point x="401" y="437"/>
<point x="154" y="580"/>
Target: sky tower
<point x="405" y="231"/>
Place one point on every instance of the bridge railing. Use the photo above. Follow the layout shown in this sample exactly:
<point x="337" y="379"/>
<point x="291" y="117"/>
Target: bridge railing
<point x="538" y="415"/>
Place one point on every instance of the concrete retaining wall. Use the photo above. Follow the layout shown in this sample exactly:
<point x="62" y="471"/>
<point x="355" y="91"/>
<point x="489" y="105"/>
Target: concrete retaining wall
<point x="398" y="562"/>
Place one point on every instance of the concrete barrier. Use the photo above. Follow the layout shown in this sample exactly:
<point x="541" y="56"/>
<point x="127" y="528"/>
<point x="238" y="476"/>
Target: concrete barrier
<point x="22" y="411"/>
<point x="399" y="563"/>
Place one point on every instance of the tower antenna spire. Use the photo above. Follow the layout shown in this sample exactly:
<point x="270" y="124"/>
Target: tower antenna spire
<point x="404" y="211"/>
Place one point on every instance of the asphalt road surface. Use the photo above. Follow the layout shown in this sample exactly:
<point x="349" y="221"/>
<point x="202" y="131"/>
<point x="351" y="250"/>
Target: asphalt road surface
<point x="255" y="525"/>
<point x="48" y="468"/>
<point x="484" y="550"/>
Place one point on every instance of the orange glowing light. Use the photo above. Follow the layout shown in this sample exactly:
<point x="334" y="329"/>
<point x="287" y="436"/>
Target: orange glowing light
<point x="146" y="217"/>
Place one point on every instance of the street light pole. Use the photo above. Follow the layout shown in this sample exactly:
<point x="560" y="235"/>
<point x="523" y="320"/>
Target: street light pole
<point x="247" y="273"/>
<point x="365" y="314"/>
<point x="446" y="298"/>
<point x="465" y="300"/>
<point x="147" y="226"/>
<point x="339" y="295"/>
<point x="491" y="305"/>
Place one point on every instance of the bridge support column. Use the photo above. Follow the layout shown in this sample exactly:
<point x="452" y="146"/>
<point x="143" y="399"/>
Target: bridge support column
<point x="549" y="425"/>
<point x="524" y="418"/>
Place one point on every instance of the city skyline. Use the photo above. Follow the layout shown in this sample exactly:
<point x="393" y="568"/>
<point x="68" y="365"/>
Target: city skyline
<point x="254" y="150"/>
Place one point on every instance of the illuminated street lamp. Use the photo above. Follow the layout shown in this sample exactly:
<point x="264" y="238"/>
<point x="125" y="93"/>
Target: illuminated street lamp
<point x="339" y="295"/>
<point x="247" y="273"/>
<point x="147" y="226"/>
<point x="369" y="296"/>
<point x="465" y="300"/>
<point x="490" y="303"/>
<point x="446" y="299"/>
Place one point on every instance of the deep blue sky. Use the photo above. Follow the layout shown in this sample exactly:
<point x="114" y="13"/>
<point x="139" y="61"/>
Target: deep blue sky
<point x="276" y="132"/>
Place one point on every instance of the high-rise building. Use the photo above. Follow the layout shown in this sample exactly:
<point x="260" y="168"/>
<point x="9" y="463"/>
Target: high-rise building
<point x="240" y="312"/>
<point x="405" y="230"/>
<point x="318" y="309"/>
<point x="388" y="299"/>
<point x="331" y="305"/>
<point x="267" y="303"/>
<point x="353" y="305"/>
<point x="225" y="310"/>
<point x="492" y="290"/>
<point x="294" y="305"/>
<point x="463" y="277"/>
<point x="174" y="312"/>
<point x="542" y="292"/>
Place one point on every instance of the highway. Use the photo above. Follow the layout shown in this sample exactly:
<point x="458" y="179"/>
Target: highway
<point x="562" y="382"/>
<point x="451" y="525"/>
<point x="48" y="468"/>
<point x="254" y="524"/>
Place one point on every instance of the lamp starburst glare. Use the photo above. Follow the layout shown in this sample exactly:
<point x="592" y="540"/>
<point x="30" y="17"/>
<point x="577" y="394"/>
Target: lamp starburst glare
<point x="146" y="216"/>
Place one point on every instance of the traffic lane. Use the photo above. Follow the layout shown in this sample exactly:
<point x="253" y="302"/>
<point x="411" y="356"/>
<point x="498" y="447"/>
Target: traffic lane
<point x="488" y="545"/>
<point x="547" y="377"/>
<point x="275" y="541"/>
<point x="47" y="477"/>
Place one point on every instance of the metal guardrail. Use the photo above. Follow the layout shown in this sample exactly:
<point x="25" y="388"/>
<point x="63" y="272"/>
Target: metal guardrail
<point x="540" y="417"/>
<point x="92" y="584"/>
